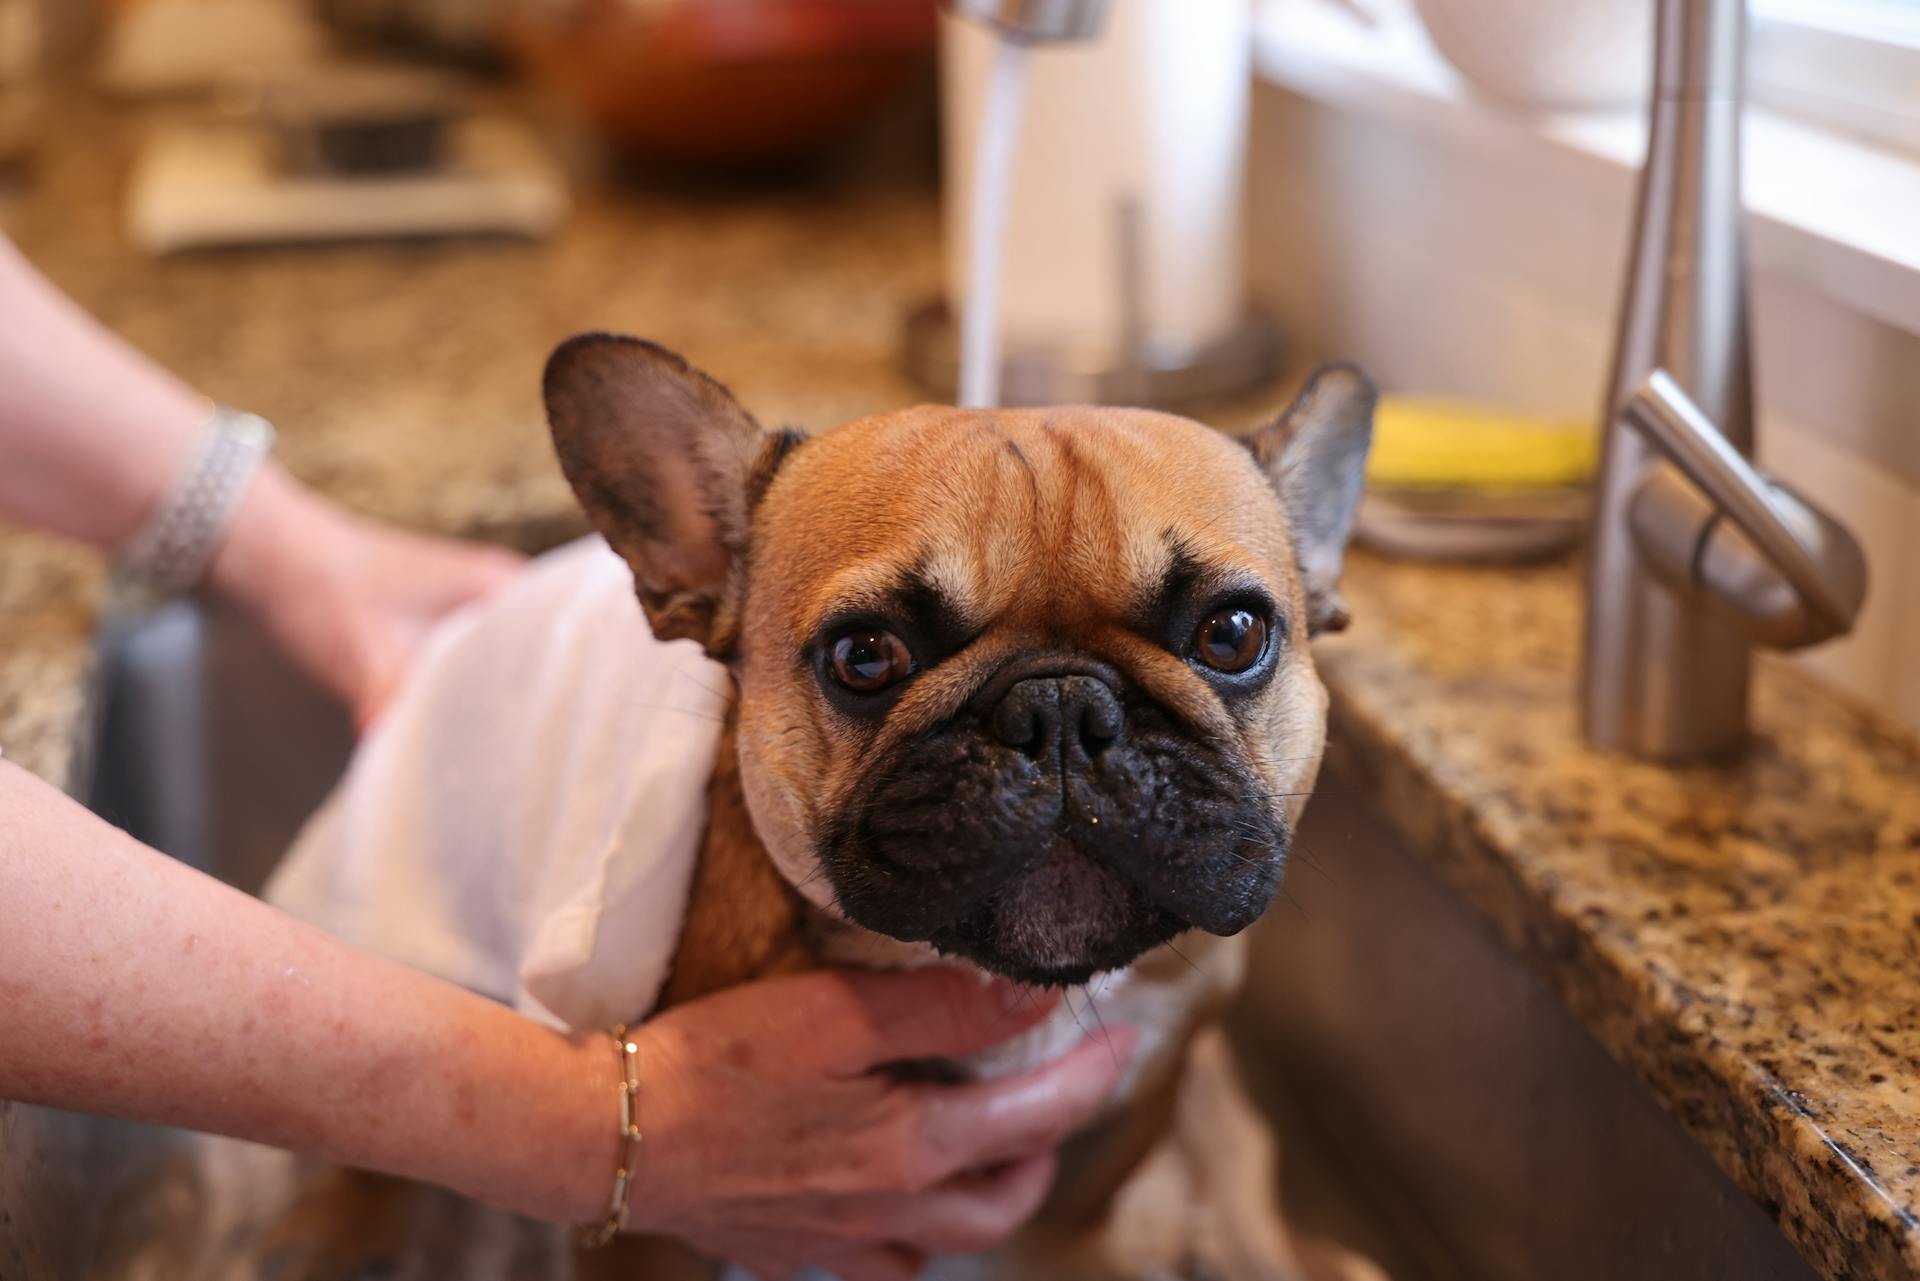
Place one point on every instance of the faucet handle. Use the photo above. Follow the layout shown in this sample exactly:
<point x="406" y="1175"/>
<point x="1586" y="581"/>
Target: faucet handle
<point x="1793" y="574"/>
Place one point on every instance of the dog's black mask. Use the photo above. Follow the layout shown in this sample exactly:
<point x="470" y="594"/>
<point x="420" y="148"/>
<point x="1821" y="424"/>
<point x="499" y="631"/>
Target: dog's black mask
<point x="1060" y="826"/>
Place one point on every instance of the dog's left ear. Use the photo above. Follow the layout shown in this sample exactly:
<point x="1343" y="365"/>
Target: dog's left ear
<point x="668" y="467"/>
<point x="1315" y="454"/>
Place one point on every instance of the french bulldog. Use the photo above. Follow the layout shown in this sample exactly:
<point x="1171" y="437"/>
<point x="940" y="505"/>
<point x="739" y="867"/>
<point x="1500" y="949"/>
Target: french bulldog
<point x="1031" y="689"/>
<point x="1027" y="690"/>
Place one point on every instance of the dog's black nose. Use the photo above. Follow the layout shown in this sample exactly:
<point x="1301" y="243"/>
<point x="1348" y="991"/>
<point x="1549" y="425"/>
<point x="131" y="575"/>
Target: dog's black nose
<point x="1044" y="715"/>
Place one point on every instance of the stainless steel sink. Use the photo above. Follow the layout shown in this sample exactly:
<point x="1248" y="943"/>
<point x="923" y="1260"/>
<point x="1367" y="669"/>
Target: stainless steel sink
<point x="207" y="745"/>
<point x="1437" y="1104"/>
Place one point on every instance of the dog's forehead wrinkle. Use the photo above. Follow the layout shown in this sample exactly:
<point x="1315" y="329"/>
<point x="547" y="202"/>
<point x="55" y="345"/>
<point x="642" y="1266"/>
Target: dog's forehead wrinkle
<point x="1069" y="515"/>
<point x="1026" y="465"/>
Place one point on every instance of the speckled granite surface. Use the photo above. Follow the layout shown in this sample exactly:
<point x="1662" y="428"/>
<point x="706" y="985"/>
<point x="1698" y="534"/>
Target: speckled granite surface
<point x="48" y="595"/>
<point x="1748" y="939"/>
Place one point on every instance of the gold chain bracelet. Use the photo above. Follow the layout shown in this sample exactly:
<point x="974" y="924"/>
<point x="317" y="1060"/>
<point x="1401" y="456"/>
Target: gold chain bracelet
<point x="595" y="1237"/>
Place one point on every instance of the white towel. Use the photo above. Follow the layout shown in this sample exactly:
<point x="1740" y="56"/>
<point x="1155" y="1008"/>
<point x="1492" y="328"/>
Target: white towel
<point x="525" y="817"/>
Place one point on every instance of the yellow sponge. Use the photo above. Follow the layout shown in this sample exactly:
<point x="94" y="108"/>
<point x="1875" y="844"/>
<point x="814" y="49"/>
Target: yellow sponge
<point x="1436" y="443"/>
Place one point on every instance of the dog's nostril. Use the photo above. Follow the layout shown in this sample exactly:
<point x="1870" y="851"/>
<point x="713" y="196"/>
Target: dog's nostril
<point x="1028" y="718"/>
<point x="1097" y="719"/>
<point x="1034" y="715"/>
<point x="1088" y="705"/>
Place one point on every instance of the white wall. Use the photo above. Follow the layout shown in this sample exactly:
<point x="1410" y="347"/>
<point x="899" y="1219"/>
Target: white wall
<point x="1493" y="272"/>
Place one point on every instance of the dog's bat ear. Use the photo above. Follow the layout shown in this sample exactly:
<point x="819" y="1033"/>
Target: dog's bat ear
<point x="668" y="467"/>
<point x="1315" y="454"/>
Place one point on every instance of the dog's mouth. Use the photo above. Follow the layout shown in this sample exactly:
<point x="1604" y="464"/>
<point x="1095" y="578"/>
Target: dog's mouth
<point x="1060" y="921"/>
<point x="1059" y="907"/>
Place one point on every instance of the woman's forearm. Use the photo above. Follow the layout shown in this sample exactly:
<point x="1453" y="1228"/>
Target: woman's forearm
<point x="92" y="431"/>
<point x="132" y="985"/>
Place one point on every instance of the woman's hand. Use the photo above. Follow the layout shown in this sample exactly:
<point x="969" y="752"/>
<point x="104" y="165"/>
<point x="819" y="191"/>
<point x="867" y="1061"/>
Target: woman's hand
<point x="349" y="600"/>
<point x="774" y="1140"/>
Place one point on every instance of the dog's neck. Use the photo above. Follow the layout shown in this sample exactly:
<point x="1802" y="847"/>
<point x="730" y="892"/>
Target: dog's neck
<point x="744" y="920"/>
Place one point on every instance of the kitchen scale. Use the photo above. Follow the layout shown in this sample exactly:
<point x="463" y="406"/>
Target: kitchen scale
<point x="338" y="156"/>
<point x="205" y="186"/>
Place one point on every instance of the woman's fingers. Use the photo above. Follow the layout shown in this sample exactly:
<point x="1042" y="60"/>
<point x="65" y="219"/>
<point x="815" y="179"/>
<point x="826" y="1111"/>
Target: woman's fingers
<point x="968" y="1213"/>
<point x="968" y="1126"/>
<point x="936" y="1012"/>
<point x="978" y="1210"/>
<point x="407" y="584"/>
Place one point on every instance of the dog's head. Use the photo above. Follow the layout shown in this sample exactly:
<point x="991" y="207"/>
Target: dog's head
<point x="1032" y="686"/>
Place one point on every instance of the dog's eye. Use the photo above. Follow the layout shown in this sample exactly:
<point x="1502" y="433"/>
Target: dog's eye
<point x="867" y="661"/>
<point x="1231" y="640"/>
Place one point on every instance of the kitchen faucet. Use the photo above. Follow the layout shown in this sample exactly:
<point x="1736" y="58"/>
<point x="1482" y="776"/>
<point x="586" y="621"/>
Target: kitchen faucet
<point x="1695" y="556"/>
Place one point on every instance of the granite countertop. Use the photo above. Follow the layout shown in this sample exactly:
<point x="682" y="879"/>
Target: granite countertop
<point x="1746" y="938"/>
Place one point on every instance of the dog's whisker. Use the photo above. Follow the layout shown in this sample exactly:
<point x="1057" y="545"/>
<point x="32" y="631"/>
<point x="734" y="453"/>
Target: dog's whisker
<point x="685" y="711"/>
<point x="1300" y="851"/>
<point x="1066" y="999"/>
<point x="1175" y="948"/>
<point x="691" y="679"/>
<point x="1105" y="1035"/>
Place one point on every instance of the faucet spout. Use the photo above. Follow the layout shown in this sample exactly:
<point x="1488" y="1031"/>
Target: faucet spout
<point x="1695" y="557"/>
<point x="1790" y="572"/>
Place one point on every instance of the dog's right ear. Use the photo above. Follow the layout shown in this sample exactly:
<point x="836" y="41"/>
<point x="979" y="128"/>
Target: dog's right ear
<point x="668" y="467"/>
<point x="1315" y="456"/>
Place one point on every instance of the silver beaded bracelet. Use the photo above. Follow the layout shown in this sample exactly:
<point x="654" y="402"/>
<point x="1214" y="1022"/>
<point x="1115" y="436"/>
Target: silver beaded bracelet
<point x="170" y="554"/>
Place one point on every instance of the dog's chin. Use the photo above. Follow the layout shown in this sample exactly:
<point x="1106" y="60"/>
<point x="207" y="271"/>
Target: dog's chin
<point x="1062" y="920"/>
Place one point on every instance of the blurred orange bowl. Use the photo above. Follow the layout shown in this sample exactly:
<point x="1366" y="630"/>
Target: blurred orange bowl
<point x="729" y="81"/>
